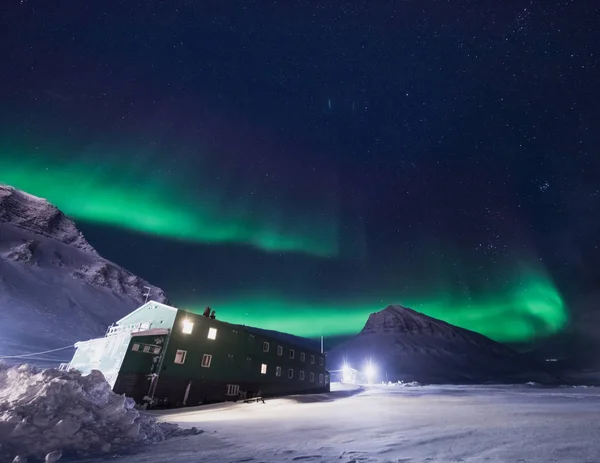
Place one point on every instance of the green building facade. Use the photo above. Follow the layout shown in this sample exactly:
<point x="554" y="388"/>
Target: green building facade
<point x="170" y="357"/>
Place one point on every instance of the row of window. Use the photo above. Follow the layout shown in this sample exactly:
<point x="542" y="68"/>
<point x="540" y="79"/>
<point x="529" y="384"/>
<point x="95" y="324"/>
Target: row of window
<point x="146" y="349"/>
<point x="301" y="375"/>
<point x="180" y="356"/>
<point x="188" y="328"/>
<point x="267" y="346"/>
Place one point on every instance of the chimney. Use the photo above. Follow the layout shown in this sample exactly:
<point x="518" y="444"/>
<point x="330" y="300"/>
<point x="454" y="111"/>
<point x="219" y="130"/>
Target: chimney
<point x="212" y="315"/>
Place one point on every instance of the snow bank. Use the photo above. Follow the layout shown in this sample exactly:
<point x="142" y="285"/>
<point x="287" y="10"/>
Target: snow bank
<point x="46" y="413"/>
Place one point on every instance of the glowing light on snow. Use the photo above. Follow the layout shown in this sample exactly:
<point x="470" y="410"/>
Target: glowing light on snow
<point x="347" y="376"/>
<point x="370" y="371"/>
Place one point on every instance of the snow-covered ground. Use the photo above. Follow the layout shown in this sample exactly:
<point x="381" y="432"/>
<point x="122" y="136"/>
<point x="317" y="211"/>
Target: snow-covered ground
<point x="391" y="424"/>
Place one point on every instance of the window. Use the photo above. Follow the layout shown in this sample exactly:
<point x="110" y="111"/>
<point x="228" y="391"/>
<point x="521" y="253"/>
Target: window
<point x="292" y="353"/>
<point x="230" y="357"/>
<point x="279" y="350"/>
<point x="277" y="371"/>
<point x="157" y="350"/>
<point x="263" y="369"/>
<point x="321" y="378"/>
<point x="326" y="379"/>
<point x="135" y="347"/>
<point x="301" y="375"/>
<point x="206" y="359"/>
<point x="188" y="327"/>
<point x="146" y="349"/>
<point x="321" y="361"/>
<point x="265" y="346"/>
<point x="232" y="389"/>
<point x="302" y="357"/>
<point x="180" y="356"/>
<point x="212" y="333"/>
<point x="291" y="373"/>
<point x="312" y="377"/>
<point x="312" y="359"/>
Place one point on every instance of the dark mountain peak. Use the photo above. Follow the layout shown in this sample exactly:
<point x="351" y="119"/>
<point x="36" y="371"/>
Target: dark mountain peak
<point x="37" y="215"/>
<point x="399" y="319"/>
<point x="410" y="346"/>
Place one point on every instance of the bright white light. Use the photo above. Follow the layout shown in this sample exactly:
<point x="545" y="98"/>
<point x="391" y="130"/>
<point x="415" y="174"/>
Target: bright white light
<point x="346" y="374"/>
<point x="263" y="369"/>
<point x="370" y="371"/>
<point x="188" y="327"/>
<point x="212" y="333"/>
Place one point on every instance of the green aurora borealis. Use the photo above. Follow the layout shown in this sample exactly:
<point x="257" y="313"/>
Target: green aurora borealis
<point x="121" y="194"/>
<point x="531" y="308"/>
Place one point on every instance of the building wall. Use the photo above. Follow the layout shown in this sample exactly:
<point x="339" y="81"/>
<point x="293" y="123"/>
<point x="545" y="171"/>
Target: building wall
<point x="238" y="358"/>
<point x="140" y="362"/>
<point x="103" y="354"/>
<point x="160" y="315"/>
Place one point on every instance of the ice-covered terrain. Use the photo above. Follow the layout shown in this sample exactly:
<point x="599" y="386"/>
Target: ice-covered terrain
<point x="406" y="345"/>
<point x="55" y="289"/>
<point x="524" y="423"/>
<point x="49" y="413"/>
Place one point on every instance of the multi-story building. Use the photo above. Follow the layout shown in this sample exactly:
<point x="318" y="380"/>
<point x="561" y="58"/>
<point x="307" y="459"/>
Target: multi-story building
<point x="171" y="357"/>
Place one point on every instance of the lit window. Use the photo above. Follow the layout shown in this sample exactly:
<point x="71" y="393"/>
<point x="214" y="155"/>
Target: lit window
<point x="146" y="348"/>
<point x="292" y="353"/>
<point x="312" y="359"/>
<point x="301" y="375"/>
<point x="302" y="356"/>
<point x="206" y="359"/>
<point x="135" y="347"/>
<point x="320" y="378"/>
<point x="180" y="356"/>
<point x="277" y="371"/>
<point x="212" y="333"/>
<point x="157" y="350"/>
<point x="232" y="389"/>
<point x="312" y="377"/>
<point x="265" y="346"/>
<point x="279" y="350"/>
<point x="321" y="361"/>
<point x="291" y="373"/>
<point x="263" y="369"/>
<point x="188" y="327"/>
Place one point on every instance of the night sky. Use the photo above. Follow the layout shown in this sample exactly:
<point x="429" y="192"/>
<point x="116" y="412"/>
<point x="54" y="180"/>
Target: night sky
<point x="298" y="166"/>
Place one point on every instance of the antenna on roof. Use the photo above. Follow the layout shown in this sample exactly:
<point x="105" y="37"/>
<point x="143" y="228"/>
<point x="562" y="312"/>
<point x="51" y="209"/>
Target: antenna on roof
<point x="147" y="295"/>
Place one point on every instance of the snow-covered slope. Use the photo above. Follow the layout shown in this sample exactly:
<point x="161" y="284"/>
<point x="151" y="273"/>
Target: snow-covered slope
<point x="405" y="345"/>
<point x="55" y="288"/>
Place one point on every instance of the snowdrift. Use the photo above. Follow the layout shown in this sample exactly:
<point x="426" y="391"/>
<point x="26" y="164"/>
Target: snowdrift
<point x="47" y="413"/>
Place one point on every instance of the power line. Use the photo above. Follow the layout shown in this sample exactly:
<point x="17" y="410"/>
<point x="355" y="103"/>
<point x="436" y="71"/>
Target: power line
<point x="36" y="353"/>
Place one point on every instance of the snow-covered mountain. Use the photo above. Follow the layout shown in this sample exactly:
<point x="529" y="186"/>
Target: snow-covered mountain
<point x="405" y="345"/>
<point x="55" y="288"/>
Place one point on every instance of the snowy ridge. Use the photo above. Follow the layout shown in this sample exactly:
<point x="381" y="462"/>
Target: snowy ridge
<point x="405" y="345"/>
<point x="55" y="289"/>
<point x="39" y="216"/>
<point x="49" y="413"/>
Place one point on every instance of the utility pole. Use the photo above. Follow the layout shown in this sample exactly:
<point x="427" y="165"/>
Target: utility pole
<point x="147" y="295"/>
